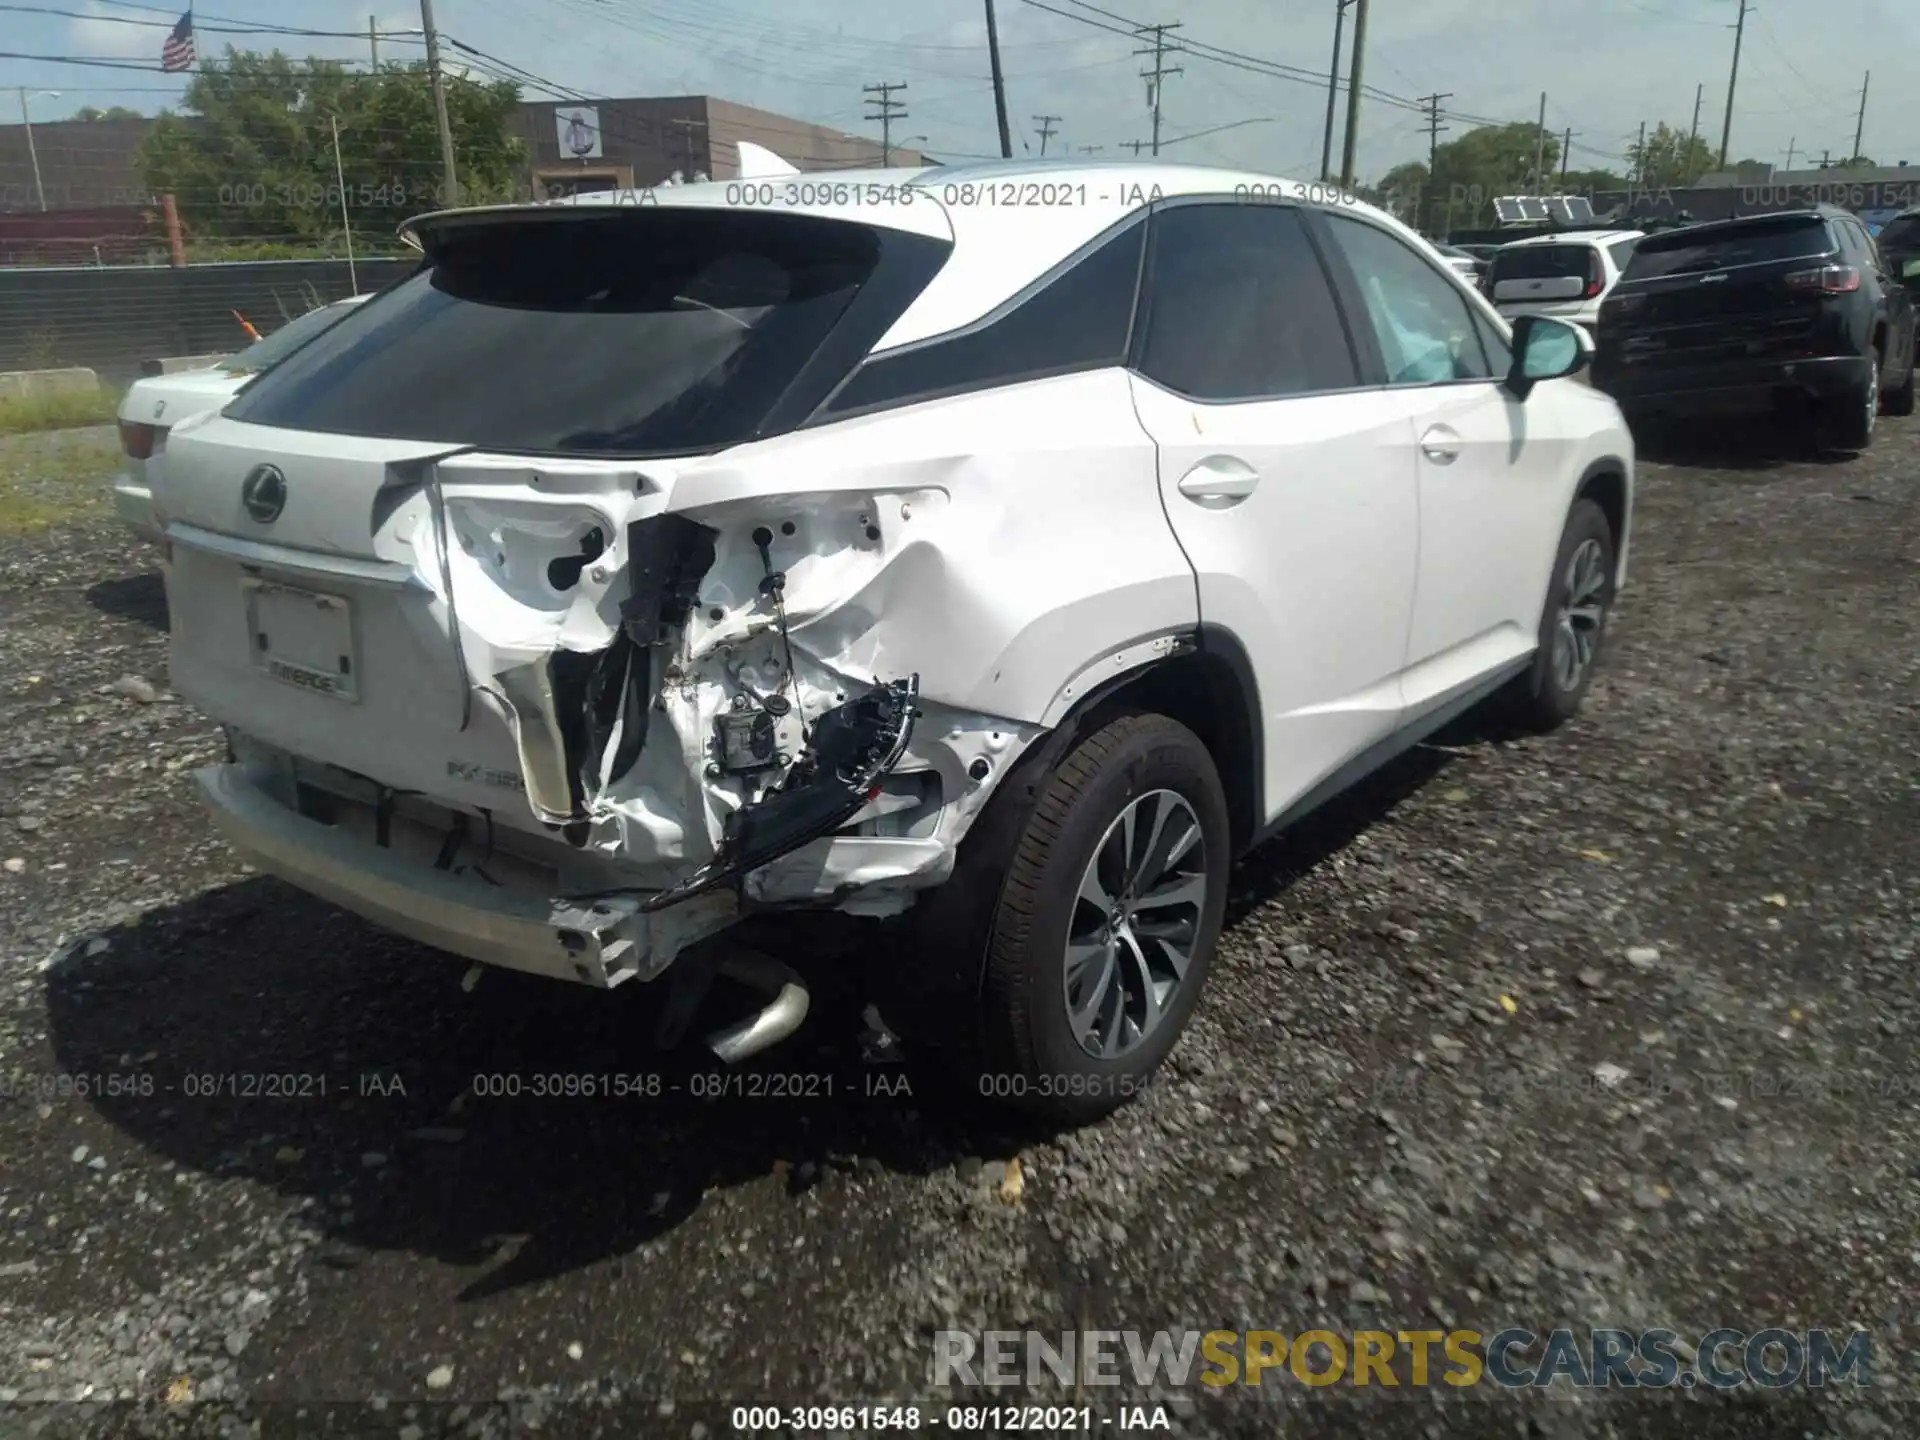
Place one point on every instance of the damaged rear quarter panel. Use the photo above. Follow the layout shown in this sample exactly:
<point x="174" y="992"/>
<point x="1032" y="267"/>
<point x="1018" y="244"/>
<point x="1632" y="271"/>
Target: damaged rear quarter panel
<point x="1006" y="548"/>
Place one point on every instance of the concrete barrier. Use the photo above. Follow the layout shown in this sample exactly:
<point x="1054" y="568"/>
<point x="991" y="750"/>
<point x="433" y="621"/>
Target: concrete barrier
<point x="173" y="364"/>
<point x="20" y="384"/>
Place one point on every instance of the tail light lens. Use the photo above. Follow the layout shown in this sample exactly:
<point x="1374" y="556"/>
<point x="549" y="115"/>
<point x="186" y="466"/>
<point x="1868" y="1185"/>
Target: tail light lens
<point x="1825" y="280"/>
<point x="137" y="440"/>
<point x="1593" y="289"/>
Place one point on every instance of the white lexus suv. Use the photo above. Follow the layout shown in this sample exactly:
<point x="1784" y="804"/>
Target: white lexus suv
<point x="1000" y="549"/>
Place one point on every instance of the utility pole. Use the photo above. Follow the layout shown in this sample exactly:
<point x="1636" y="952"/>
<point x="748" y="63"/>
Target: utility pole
<point x="1640" y="158"/>
<point x="1826" y="159"/>
<point x="1566" y="149"/>
<point x="1333" y="89"/>
<point x="1693" y="135"/>
<point x="1046" y="124"/>
<point x="889" y="110"/>
<point x="449" y="178"/>
<point x="999" y="85"/>
<point x="686" y="128"/>
<point x="1155" y="76"/>
<point x="373" y="40"/>
<point x="1540" y="147"/>
<point x="1792" y="145"/>
<point x="1733" y="78"/>
<point x="1434" y="127"/>
<point x="32" y="154"/>
<point x="1353" y="93"/>
<point x="1135" y="145"/>
<point x="1090" y="149"/>
<point x="1860" y="126"/>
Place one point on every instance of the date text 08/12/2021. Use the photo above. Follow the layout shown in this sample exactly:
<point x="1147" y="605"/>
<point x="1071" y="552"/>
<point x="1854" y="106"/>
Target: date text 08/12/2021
<point x="957" y="1419"/>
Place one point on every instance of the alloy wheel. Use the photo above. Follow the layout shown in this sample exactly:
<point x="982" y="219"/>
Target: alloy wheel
<point x="1136" y="920"/>
<point x="1583" y="607"/>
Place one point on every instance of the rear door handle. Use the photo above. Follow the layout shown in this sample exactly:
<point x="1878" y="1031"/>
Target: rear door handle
<point x="1219" y="481"/>
<point x="1440" y="444"/>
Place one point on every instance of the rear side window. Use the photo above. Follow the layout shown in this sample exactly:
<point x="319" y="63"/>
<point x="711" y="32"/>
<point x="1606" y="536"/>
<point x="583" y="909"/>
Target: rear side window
<point x="1544" y="262"/>
<point x="1080" y="319"/>
<point x="1702" y="248"/>
<point x="1622" y="252"/>
<point x="1239" y="307"/>
<point x="641" y="331"/>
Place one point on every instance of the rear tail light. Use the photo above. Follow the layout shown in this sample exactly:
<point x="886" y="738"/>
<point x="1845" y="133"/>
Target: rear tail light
<point x="1593" y="289"/>
<point x="137" y="440"/>
<point x="1825" y="280"/>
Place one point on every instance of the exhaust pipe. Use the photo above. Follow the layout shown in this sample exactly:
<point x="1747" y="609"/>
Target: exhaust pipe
<point x="775" y="1021"/>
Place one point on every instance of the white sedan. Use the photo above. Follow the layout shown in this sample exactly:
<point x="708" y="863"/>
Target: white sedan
<point x="155" y="405"/>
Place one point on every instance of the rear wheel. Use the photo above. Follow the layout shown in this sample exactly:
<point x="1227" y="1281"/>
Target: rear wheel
<point x="1572" y="624"/>
<point x="1900" y="401"/>
<point x="1102" y="930"/>
<point x="1850" y="417"/>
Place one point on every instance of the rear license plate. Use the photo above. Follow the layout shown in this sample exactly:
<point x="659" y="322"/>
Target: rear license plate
<point x="302" y="638"/>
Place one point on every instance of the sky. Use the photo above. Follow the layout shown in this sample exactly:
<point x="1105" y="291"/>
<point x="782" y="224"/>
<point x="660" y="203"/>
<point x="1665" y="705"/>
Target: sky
<point x="1605" y="65"/>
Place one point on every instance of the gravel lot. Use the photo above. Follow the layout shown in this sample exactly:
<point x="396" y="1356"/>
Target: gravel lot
<point x="1386" y="1115"/>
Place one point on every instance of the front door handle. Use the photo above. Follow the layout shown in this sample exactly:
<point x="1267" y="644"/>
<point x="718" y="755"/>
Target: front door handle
<point x="1219" y="481"/>
<point x="1440" y="444"/>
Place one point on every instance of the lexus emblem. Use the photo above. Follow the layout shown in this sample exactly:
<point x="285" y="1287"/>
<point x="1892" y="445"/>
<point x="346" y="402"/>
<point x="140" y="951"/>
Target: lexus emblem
<point x="264" y="493"/>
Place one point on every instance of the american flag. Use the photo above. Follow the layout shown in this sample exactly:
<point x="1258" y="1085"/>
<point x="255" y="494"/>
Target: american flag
<point x="177" y="53"/>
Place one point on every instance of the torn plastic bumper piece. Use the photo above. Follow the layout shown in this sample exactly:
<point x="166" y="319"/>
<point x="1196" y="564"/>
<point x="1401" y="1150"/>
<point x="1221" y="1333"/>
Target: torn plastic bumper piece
<point x="853" y="747"/>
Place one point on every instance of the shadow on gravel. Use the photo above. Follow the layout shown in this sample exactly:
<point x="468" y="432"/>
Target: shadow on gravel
<point x="132" y="597"/>
<point x="1753" y="444"/>
<point x="281" y="1040"/>
<point x="295" y="1046"/>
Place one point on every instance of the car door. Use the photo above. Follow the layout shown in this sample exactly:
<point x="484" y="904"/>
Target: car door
<point x="1491" y="507"/>
<point x="1292" y="496"/>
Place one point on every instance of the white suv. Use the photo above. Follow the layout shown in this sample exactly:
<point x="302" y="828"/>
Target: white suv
<point x="1001" y="549"/>
<point x="1565" y="275"/>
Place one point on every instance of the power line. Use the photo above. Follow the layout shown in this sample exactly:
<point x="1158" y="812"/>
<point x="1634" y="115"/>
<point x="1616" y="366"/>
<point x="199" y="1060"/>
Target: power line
<point x="210" y="25"/>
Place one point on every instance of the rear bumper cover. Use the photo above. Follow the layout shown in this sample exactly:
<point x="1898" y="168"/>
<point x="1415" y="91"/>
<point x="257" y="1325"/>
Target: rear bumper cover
<point x="1731" y="383"/>
<point x="601" y="942"/>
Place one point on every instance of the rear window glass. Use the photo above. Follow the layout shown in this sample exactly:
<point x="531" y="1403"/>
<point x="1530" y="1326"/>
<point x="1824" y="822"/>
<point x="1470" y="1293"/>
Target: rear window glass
<point x="1543" y="262"/>
<point x="1716" y="247"/>
<point x="646" y="331"/>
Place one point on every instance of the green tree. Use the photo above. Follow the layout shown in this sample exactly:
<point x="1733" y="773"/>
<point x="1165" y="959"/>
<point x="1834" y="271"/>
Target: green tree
<point x="1669" y="157"/>
<point x="1469" y="173"/>
<point x="253" y="158"/>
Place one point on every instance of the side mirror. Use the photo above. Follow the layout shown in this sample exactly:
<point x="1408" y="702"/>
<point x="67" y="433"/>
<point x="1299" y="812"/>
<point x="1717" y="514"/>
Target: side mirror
<point x="1545" y="349"/>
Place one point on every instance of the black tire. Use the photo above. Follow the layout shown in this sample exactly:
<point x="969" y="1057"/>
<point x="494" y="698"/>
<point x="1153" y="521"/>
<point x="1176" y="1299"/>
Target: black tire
<point x="1540" y="699"/>
<point x="1019" y="1048"/>
<point x="1900" y="401"/>
<point x="1846" y="422"/>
